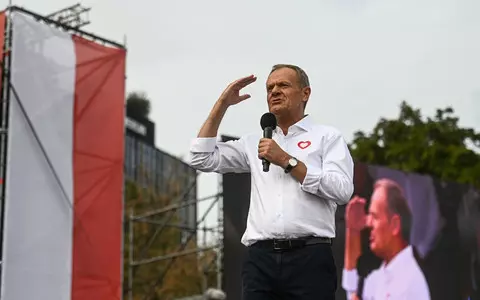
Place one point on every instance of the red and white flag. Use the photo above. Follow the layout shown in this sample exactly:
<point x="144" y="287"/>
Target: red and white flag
<point x="64" y="178"/>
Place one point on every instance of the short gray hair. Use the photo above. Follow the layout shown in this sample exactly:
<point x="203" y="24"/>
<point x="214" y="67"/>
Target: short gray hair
<point x="397" y="205"/>
<point x="301" y="75"/>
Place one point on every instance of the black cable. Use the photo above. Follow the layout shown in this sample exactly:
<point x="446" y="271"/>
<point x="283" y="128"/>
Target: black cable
<point x="42" y="148"/>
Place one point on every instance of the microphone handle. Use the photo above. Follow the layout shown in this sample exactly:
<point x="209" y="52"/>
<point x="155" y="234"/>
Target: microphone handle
<point x="267" y="133"/>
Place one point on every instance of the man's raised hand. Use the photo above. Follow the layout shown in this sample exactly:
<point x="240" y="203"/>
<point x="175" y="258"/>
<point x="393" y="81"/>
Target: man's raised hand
<point x="231" y="95"/>
<point x="355" y="215"/>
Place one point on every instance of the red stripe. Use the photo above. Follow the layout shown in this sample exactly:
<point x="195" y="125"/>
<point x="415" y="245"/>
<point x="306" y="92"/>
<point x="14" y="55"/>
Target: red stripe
<point x="98" y="171"/>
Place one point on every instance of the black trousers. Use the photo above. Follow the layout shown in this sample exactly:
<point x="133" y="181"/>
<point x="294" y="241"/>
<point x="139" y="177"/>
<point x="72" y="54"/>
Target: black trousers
<point x="307" y="273"/>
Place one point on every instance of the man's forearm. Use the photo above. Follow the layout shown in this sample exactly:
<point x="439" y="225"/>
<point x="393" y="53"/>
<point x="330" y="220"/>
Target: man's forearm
<point x="211" y="125"/>
<point x="299" y="172"/>
<point x="353" y="248"/>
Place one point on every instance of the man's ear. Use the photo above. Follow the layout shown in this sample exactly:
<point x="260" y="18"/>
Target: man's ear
<point x="396" y="225"/>
<point x="306" y="93"/>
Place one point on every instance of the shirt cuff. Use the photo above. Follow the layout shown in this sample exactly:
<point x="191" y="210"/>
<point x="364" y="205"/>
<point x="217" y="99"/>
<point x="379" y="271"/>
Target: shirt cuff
<point x="311" y="182"/>
<point x="350" y="280"/>
<point x="203" y="145"/>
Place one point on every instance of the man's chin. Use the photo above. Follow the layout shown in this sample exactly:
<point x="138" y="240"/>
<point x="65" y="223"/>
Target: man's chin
<point x="276" y="110"/>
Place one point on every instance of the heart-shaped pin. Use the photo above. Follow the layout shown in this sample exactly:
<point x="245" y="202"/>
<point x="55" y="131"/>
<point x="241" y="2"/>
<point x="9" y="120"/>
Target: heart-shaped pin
<point x="304" y="144"/>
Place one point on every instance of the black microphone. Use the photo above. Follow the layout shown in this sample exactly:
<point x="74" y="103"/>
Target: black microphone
<point x="268" y="123"/>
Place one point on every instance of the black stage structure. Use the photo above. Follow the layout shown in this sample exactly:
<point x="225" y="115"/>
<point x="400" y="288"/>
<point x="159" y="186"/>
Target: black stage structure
<point x="447" y="213"/>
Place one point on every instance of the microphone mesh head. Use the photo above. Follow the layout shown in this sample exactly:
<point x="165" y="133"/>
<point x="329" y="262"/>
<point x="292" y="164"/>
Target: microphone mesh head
<point x="268" y="120"/>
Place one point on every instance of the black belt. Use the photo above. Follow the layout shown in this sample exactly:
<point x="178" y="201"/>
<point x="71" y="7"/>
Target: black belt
<point x="287" y="244"/>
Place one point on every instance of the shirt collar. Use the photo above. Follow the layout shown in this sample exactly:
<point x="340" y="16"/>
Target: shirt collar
<point x="400" y="260"/>
<point x="305" y="124"/>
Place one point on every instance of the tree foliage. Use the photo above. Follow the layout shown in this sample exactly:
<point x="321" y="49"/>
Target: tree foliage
<point x="184" y="277"/>
<point x="138" y="105"/>
<point x="437" y="145"/>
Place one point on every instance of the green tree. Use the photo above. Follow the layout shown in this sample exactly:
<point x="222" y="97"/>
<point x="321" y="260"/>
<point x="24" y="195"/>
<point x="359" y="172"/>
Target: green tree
<point x="138" y="105"/>
<point x="436" y="146"/>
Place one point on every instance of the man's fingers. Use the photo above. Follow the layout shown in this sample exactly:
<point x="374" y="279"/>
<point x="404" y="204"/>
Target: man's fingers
<point x="263" y="143"/>
<point x="262" y="148"/>
<point x="249" y="78"/>
<point x="353" y="200"/>
<point x="243" y="82"/>
<point x="262" y="153"/>
<point x="244" y="97"/>
<point x="358" y="200"/>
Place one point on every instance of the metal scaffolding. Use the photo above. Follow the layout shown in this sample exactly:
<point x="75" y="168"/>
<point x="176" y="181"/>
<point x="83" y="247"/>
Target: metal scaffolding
<point x="167" y="213"/>
<point x="73" y="18"/>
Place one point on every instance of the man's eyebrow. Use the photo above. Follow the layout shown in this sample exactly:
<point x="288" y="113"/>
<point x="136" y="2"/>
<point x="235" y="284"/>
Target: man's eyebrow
<point x="278" y="82"/>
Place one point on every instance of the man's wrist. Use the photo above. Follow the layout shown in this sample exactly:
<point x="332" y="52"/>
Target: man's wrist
<point x="223" y="103"/>
<point x="285" y="161"/>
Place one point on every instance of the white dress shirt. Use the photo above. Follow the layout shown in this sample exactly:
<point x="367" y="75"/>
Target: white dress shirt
<point x="280" y="206"/>
<point x="401" y="279"/>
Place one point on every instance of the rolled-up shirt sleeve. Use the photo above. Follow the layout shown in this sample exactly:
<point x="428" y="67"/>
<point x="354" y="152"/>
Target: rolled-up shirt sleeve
<point x="349" y="281"/>
<point x="334" y="181"/>
<point x="210" y="155"/>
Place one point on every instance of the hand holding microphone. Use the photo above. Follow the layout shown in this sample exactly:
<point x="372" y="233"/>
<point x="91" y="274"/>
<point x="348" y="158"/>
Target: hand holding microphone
<point x="268" y="150"/>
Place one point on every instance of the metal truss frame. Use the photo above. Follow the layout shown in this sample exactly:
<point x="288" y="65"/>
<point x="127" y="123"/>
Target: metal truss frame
<point x="148" y="217"/>
<point x="168" y="212"/>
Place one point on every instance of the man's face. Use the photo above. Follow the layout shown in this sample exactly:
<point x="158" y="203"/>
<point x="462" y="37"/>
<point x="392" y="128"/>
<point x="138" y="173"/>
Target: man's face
<point x="284" y="93"/>
<point x="379" y="221"/>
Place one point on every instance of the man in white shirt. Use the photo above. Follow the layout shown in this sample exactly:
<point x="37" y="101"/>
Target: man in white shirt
<point x="389" y="218"/>
<point x="291" y="220"/>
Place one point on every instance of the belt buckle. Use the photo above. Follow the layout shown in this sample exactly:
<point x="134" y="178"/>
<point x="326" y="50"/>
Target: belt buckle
<point x="277" y="244"/>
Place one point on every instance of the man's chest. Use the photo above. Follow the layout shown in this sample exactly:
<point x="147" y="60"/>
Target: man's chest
<point x="303" y="146"/>
<point x="391" y="288"/>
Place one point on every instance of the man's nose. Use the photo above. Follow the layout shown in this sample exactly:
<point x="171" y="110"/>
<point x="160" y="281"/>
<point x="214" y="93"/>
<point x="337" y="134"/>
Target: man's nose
<point x="275" y="91"/>
<point x="274" y="94"/>
<point x="368" y="222"/>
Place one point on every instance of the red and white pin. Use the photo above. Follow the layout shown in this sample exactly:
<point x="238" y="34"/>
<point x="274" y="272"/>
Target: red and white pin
<point x="304" y="144"/>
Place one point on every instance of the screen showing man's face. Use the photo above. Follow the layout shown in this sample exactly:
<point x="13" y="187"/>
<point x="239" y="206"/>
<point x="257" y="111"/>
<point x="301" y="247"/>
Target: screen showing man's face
<point x="379" y="222"/>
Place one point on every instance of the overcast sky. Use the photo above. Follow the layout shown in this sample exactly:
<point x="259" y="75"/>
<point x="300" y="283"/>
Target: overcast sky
<point x="363" y="58"/>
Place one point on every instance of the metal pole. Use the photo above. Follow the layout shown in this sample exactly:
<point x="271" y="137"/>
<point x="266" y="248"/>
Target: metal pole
<point x="205" y="263"/>
<point x="220" y="235"/>
<point x="173" y="207"/>
<point x="130" y="257"/>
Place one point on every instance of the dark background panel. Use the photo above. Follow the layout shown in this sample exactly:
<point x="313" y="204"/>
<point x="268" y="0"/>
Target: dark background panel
<point x="236" y="197"/>
<point x="451" y="266"/>
<point x="236" y="202"/>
